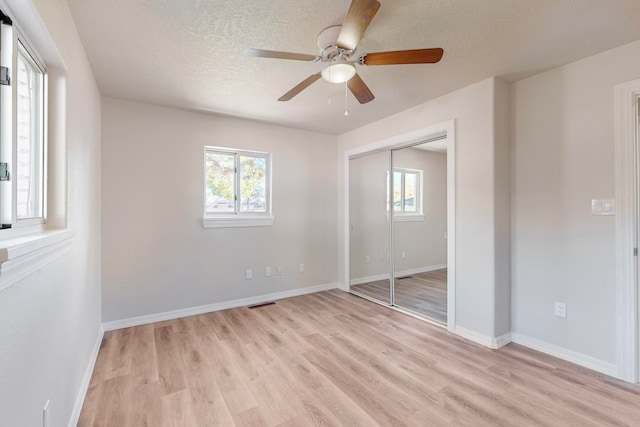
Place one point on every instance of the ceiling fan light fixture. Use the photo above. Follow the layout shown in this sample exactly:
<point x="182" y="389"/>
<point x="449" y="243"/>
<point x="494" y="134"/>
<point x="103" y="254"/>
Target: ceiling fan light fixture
<point x="338" y="71"/>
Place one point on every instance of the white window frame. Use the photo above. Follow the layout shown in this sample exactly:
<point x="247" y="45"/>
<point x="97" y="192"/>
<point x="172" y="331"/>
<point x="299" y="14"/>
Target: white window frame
<point x="32" y="243"/>
<point x="14" y="41"/>
<point x="22" y="222"/>
<point x="402" y="215"/>
<point x="239" y="218"/>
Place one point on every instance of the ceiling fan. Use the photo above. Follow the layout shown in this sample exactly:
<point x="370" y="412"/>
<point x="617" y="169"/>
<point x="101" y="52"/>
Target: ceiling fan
<point x="337" y="46"/>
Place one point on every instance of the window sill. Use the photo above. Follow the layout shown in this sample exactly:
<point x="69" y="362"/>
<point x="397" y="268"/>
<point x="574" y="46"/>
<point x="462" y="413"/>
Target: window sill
<point x="407" y="218"/>
<point x="21" y="256"/>
<point x="237" y="221"/>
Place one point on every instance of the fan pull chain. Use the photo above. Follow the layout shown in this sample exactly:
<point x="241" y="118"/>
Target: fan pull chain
<point x="346" y="97"/>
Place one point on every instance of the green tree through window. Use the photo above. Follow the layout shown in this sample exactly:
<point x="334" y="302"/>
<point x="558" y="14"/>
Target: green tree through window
<point x="252" y="183"/>
<point x="236" y="182"/>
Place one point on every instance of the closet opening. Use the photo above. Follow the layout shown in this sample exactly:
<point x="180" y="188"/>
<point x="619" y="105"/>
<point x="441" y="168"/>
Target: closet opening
<point x="401" y="220"/>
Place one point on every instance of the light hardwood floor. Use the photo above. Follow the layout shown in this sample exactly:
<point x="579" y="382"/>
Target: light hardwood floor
<point x="422" y="293"/>
<point x="332" y="359"/>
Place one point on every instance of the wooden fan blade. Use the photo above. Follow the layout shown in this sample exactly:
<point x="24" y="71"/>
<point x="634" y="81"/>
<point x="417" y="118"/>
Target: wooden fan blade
<point x="417" y="56"/>
<point x="300" y="87"/>
<point x="360" y="90"/>
<point x="261" y="53"/>
<point x="359" y="16"/>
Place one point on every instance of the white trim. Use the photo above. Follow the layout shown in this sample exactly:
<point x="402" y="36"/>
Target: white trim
<point x="409" y="272"/>
<point x="502" y="340"/>
<point x="626" y="95"/>
<point x="484" y="340"/>
<point x="565" y="354"/>
<point x="419" y="270"/>
<point x="367" y="279"/>
<point x="22" y="256"/>
<point x="237" y="221"/>
<point x="192" y="311"/>
<point x="404" y="140"/>
<point x="400" y="217"/>
<point x="23" y="245"/>
<point x="452" y="193"/>
<point x="86" y="379"/>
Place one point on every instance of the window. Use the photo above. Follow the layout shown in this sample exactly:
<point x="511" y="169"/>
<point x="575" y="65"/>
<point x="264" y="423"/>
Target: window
<point x="237" y="188"/>
<point x="407" y="193"/>
<point x="23" y="134"/>
<point x="29" y="175"/>
<point x="26" y="242"/>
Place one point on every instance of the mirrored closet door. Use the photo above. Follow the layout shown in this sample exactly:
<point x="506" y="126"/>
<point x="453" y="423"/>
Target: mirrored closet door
<point x="369" y="228"/>
<point x="420" y="229"/>
<point x="398" y="228"/>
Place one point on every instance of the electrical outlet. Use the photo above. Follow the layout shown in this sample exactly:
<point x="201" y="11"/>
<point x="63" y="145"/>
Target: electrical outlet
<point x="561" y="309"/>
<point x="267" y="271"/>
<point x="301" y="268"/>
<point x="45" y="415"/>
<point x="280" y="270"/>
<point x="249" y="274"/>
<point x="367" y="259"/>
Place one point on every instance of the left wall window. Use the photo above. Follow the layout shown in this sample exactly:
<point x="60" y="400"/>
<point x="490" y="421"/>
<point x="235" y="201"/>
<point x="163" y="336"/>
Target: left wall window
<point x="29" y="163"/>
<point x="23" y="131"/>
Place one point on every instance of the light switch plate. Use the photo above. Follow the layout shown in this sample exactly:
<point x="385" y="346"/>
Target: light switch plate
<point x="603" y="207"/>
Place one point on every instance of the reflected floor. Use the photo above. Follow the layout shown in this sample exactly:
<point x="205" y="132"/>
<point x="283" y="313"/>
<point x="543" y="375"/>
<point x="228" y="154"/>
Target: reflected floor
<point x="422" y="293"/>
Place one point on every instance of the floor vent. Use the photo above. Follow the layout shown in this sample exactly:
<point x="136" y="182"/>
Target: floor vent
<point x="262" y="305"/>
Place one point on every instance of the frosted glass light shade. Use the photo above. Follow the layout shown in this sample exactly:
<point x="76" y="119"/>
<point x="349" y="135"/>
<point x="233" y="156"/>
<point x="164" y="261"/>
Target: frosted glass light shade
<point x="338" y="72"/>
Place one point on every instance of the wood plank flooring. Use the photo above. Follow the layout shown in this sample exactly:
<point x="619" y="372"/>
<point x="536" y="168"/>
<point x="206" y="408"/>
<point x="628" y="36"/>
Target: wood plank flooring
<point x="422" y="293"/>
<point x="333" y="359"/>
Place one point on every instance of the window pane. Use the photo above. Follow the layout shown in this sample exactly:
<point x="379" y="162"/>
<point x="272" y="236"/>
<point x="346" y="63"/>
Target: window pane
<point x="220" y="175"/>
<point x="410" y="190"/>
<point x="253" y="182"/>
<point x="397" y="191"/>
<point x="30" y="141"/>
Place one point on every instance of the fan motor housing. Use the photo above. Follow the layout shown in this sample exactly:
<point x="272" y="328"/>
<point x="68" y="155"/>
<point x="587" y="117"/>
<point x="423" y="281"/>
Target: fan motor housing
<point x="328" y="42"/>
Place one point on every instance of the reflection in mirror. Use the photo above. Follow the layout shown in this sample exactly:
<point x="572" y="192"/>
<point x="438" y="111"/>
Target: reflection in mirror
<point x="369" y="229"/>
<point x="420" y="229"/>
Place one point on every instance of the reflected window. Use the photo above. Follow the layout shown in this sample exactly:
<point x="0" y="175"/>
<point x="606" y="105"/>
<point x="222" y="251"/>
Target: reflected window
<point x="407" y="184"/>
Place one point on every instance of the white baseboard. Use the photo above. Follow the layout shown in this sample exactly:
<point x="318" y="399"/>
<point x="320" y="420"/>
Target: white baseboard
<point x="376" y="277"/>
<point x="84" y="386"/>
<point x="192" y="311"/>
<point x="502" y="340"/>
<point x="367" y="279"/>
<point x="566" y="354"/>
<point x="484" y="340"/>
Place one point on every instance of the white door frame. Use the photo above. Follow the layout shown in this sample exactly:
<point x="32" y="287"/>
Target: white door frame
<point x="404" y="140"/>
<point x="626" y="141"/>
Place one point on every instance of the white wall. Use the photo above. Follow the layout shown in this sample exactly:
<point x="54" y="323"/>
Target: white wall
<point x="49" y="322"/>
<point x="476" y="234"/>
<point x="369" y="229"/>
<point x="157" y="257"/>
<point x="422" y="241"/>
<point x="563" y="156"/>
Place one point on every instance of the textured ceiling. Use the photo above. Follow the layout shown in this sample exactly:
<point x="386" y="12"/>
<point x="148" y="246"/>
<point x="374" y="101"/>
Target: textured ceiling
<point x="187" y="53"/>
